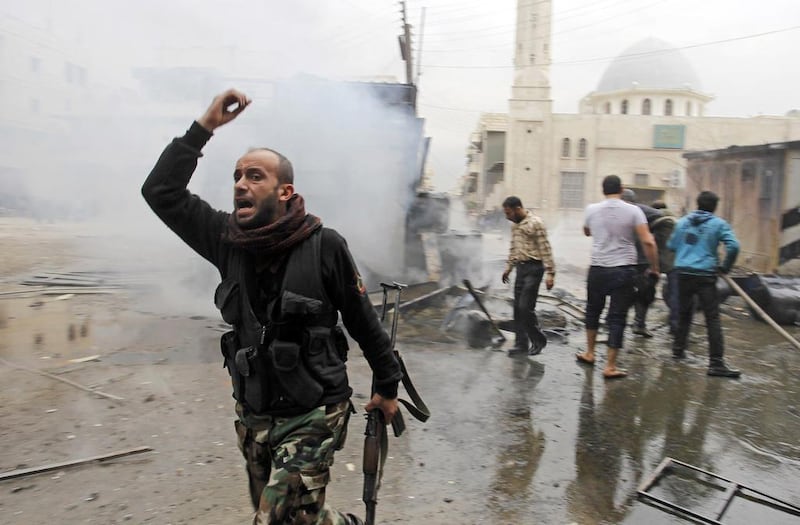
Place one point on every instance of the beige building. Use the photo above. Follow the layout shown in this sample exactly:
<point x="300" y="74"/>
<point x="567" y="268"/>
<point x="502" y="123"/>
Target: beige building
<point x="759" y="190"/>
<point x="647" y="111"/>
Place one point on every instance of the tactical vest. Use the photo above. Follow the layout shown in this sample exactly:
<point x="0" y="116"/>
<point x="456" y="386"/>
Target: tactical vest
<point x="288" y="364"/>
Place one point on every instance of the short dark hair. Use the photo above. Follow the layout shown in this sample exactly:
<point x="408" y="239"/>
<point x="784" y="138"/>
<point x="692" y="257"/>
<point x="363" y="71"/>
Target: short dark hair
<point x="707" y="201"/>
<point x="285" y="168"/>
<point x="659" y="205"/>
<point x="611" y="185"/>
<point x="512" y="202"/>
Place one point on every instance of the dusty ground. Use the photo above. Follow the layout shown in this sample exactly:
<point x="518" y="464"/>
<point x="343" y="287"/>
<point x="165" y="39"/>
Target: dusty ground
<point x="511" y="440"/>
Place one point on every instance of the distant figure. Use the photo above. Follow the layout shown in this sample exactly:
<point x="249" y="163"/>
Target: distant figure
<point x="614" y="226"/>
<point x="662" y="230"/>
<point x="532" y="256"/>
<point x="645" y="282"/>
<point x="695" y="241"/>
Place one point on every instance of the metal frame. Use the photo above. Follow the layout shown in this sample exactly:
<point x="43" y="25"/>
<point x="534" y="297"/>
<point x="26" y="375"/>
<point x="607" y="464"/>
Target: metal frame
<point x="733" y="490"/>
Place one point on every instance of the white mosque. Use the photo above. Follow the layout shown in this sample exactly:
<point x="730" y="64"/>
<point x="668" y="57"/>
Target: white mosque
<point x="647" y="111"/>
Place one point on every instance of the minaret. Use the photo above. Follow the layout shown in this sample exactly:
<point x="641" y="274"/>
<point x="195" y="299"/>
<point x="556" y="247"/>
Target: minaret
<point x="528" y="140"/>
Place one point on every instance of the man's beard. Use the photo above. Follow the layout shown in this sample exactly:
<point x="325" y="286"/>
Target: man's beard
<point x="267" y="212"/>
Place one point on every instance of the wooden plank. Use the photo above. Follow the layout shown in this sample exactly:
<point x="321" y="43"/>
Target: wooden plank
<point x="62" y="379"/>
<point x="65" y="464"/>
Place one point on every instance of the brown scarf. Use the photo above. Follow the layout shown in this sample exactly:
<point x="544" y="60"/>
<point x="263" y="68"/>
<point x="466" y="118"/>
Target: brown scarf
<point x="273" y="242"/>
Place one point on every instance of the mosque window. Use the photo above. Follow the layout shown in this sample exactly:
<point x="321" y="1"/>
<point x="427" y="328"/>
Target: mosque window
<point x="608" y="108"/>
<point x="688" y="109"/>
<point x="668" y="107"/>
<point x="624" y="108"/>
<point x="641" y="179"/>
<point x="646" y="106"/>
<point x="767" y="182"/>
<point x="582" y="148"/>
<point x="571" y="191"/>
<point x="565" y="148"/>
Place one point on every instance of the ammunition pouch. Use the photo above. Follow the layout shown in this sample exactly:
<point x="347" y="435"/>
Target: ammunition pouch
<point x="293" y="376"/>
<point x="323" y="356"/>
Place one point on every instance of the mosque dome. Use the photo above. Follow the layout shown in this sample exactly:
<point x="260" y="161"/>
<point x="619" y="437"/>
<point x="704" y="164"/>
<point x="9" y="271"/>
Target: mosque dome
<point x="649" y="64"/>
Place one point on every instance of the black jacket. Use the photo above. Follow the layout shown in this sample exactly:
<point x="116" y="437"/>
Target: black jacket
<point x="202" y="227"/>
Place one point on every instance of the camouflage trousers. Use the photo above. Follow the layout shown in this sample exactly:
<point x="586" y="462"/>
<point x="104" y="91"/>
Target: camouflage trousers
<point x="288" y="464"/>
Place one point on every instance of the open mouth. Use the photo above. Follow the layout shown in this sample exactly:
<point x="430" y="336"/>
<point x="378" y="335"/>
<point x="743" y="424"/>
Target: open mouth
<point x="244" y="208"/>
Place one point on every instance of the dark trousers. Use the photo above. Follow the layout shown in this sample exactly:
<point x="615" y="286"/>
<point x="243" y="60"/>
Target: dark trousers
<point x="645" y="294"/>
<point x="704" y="287"/>
<point x="615" y="282"/>
<point x="672" y="298"/>
<point x="526" y="293"/>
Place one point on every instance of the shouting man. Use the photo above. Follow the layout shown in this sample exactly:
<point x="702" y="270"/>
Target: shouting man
<point x="284" y="281"/>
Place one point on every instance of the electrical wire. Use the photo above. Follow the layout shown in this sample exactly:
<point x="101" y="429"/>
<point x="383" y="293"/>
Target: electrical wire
<point x="632" y="55"/>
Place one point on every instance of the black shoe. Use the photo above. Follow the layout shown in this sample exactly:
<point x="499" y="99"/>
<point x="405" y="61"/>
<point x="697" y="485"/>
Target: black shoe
<point x="722" y="370"/>
<point x="517" y="351"/>
<point x="641" y="330"/>
<point x="536" y="349"/>
<point x="678" y="355"/>
<point x="352" y="519"/>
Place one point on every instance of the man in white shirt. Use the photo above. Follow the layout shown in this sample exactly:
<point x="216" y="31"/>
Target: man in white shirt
<point x="614" y="226"/>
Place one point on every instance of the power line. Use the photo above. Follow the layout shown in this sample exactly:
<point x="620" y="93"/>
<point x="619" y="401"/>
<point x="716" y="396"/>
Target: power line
<point x="691" y="46"/>
<point x="632" y="55"/>
<point x="511" y="26"/>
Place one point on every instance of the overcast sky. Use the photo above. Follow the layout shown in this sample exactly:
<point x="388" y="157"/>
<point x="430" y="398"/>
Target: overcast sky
<point x="467" y="48"/>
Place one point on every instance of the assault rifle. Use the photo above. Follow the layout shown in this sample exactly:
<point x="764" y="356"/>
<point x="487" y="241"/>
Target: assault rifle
<point x="376" y="442"/>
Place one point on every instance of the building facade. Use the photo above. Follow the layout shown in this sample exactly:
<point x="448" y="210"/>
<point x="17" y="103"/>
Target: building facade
<point x="647" y="111"/>
<point x="759" y="190"/>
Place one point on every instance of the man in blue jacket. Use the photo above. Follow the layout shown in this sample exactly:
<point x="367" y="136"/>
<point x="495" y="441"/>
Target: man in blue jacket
<point x="695" y="242"/>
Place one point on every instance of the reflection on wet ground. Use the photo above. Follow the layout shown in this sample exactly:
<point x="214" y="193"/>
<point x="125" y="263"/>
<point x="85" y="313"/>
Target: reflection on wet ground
<point x="545" y="440"/>
<point x="525" y="440"/>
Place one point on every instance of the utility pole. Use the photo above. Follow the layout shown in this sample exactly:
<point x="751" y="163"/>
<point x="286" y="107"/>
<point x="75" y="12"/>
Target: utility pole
<point x="405" y="46"/>
<point x="419" y="51"/>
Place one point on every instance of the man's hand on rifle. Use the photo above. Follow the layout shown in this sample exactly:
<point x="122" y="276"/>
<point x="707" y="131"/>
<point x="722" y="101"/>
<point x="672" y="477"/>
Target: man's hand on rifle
<point x="225" y="107"/>
<point x="387" y="406"/>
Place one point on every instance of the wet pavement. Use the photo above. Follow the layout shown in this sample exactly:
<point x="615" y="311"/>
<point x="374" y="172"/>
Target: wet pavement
<point x="512" y="440"/>
<point x="546" y="440"/>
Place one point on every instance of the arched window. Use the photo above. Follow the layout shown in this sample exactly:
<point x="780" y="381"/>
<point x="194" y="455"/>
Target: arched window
<point x="646" y="106"/>
<point x="688" y="109"/>
<point x="624" y="108"/>
<point x="565" y="148"/>
<point x="608" y="108"/>
<point x="668" y="107"/>
<point x="582" y="148"/>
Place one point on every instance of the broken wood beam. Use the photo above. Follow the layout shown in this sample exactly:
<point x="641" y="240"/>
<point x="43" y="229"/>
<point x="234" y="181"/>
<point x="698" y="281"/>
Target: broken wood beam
<point x="62" y="379"/>
<point x="18" y="473"/>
